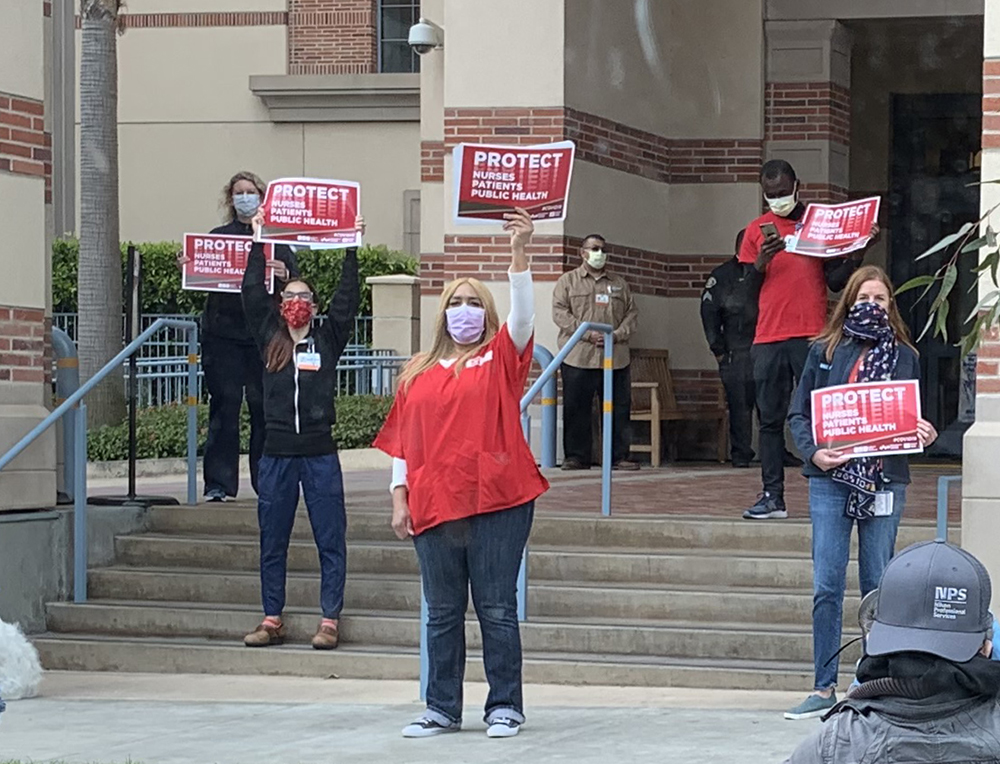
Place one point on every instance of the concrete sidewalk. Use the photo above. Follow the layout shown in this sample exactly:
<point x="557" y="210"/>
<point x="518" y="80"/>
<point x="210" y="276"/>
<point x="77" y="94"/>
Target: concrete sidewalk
<point x="161" y="719"/>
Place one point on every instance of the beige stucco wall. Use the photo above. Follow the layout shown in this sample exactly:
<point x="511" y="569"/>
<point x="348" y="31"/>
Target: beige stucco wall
<point x="677" y="69"/>
<point x="503" y="52"/>
<point x="186" y="126"/>
<point x="22" y="253"/>
<point x="22" y="70"/>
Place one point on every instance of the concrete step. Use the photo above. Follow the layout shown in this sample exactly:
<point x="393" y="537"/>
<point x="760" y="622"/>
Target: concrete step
<point x="549" y="529"/>
<point x="702" y="567"/>
<point x="81" y="652"/>
<point x="600" y="637"/>
<point x="381" y="593"/>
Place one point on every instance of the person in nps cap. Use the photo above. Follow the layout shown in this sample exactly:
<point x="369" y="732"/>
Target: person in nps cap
<point x="927" y="690"/>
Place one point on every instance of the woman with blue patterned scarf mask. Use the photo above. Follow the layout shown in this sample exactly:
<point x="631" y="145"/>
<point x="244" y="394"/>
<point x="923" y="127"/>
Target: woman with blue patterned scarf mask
<point x="865" y="340"/>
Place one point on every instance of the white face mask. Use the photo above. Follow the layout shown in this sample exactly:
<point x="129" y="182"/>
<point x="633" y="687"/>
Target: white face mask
<point x="783" y="206"/>
<point x="596" y="258"/>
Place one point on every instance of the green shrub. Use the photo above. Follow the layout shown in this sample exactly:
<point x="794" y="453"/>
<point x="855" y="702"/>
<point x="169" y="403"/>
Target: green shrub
<point x="161" y="432"/>
<point x="161" y="287"/>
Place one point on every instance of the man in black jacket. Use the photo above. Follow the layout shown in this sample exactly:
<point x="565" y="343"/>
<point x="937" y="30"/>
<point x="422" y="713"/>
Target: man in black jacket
<point x="729" y="317"/>
<point x="928" y="691"/>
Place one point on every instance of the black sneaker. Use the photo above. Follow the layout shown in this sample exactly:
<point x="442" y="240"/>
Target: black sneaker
<point x="571" y="465"/>
<point x="768" y="507"/>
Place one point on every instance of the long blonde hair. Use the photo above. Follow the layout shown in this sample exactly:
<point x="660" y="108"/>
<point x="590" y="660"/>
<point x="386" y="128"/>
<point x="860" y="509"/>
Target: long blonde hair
<point x="833" y="333"/>
<point x="443" y="346"/>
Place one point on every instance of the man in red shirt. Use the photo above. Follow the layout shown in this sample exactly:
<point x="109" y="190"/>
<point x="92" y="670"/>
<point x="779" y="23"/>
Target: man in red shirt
<point x="792" y="309"/>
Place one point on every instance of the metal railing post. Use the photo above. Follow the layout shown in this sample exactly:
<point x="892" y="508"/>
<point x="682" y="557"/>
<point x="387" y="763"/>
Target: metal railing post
<point x="80" y="543"/>
<point x="606" y="454"/>
<point x="67" y="383"/>
<point x="522" y="587"/>
<point x="944" y="483"/>
<point x="548" y="455"/>
<point x="192" y="414"/>
<point x="424" y="662"/>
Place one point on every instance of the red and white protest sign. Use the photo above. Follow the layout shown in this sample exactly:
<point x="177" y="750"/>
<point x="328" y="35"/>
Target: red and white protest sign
<point x="313" y="213"/>
<point x="493" y="180"/>
<point x="216" y="262"/>
<point x="829" y="230"/>
<point x="868" y="418"/>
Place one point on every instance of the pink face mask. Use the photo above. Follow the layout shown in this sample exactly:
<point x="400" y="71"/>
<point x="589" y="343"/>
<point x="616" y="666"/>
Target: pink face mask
<point x="465" y="323"/>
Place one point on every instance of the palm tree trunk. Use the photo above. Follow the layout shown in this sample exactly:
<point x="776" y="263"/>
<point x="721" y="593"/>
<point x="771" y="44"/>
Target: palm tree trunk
<point x="100" y="269"/>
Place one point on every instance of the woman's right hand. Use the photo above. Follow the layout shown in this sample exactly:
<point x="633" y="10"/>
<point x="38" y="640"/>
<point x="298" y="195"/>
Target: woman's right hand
<point x="402" y="524"/>
<point x="257" y="222"/>
<point x="827" y="458"/>
<point x="182" y="260"/>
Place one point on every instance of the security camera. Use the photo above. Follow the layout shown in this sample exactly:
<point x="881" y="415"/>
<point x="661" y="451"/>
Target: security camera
<point x="425" y="36"/>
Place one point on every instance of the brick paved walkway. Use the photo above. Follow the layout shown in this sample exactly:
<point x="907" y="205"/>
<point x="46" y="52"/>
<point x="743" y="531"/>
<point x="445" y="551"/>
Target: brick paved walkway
<point x="719" y="491"/>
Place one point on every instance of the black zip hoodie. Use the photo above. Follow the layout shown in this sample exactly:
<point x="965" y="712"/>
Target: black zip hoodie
<point x="298" y="404"/>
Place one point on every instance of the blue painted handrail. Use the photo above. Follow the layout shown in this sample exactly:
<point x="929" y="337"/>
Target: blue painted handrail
<point x="944" y="481"/>
<point x="80" y="438"/>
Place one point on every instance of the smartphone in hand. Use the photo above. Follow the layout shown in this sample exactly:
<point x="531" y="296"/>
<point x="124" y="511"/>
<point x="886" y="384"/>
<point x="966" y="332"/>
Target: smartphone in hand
<point x="770" y="230"/>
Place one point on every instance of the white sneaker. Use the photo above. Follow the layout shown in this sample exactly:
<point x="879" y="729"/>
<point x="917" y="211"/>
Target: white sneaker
<point x="427" y="727"/>
<point x="503" y="726"/>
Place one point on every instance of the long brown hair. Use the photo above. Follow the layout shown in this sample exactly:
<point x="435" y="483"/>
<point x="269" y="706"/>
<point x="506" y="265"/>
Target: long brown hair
<point x="833" y="333"/>
<point x="226" y="199"/>
<point x="281" y="346"/>
<point x="443" y="346"/>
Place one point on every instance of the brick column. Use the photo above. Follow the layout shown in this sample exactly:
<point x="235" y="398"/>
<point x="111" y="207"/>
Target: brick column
<point x="980" y="480"/>
<point x="808" y="104"/>
<point x="332" y="37"/>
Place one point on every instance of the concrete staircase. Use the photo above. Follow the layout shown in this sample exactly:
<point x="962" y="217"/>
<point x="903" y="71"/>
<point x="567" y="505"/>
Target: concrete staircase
<point x="664" y="601"/>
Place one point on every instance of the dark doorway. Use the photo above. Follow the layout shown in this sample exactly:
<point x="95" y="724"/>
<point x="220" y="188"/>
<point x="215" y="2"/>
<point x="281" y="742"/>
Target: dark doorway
<point x="935" y="142"/>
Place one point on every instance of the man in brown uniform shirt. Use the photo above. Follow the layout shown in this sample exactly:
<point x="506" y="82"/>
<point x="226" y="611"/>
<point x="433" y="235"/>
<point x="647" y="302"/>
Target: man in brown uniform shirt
<point x="590" y="293"/>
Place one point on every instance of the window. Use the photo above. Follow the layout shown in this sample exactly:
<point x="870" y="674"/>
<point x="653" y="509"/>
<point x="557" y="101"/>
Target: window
<point x="395" y="17"/>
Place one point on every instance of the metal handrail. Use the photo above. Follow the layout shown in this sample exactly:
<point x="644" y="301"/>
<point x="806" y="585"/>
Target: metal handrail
<point x="547" y="386"/>
<point x="944" y="482"/>
<point x="80" y="438"/>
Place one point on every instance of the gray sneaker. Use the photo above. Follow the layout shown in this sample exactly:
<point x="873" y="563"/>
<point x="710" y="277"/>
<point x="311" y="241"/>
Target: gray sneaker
<point x="768" y="507"/>
<point x="426" y="726"/>
<point x="811" y="707"/>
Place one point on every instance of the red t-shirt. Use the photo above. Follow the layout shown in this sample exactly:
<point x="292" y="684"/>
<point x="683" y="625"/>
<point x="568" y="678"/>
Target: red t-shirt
<point x="461" y="437"/>
<point x="793" y="295"/>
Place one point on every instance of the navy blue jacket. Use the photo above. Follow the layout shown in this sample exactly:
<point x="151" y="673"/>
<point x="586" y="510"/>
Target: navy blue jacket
<point x="818" y="373"/>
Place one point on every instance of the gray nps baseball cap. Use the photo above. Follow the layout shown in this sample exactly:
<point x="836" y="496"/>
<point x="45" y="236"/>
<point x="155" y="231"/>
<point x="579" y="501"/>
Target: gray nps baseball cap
<point x="934" y="598"/>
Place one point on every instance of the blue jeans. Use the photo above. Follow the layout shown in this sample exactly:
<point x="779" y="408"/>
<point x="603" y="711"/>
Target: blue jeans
<point x="323" y="485"/>
<point x="831" y="548"/>
<point x="484" y="551"/>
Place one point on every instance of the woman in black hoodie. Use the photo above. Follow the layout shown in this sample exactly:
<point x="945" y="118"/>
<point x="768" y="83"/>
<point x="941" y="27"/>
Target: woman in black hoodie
<point x="300" y="383"/>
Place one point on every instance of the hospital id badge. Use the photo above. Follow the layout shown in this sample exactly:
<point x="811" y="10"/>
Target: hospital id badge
<point x="309" y="362"/>
<point x="883" y="504"/>
<point x="602" y="299"/>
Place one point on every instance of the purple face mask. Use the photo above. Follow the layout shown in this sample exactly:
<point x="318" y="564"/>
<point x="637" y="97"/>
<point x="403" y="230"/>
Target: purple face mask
<point x="465" y="323"/>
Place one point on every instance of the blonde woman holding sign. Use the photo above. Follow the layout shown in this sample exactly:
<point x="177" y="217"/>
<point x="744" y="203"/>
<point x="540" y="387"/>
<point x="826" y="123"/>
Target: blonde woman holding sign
<point x="865" y="340"/>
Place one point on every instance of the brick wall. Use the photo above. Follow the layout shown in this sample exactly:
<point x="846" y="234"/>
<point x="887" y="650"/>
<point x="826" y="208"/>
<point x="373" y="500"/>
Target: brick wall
<point x="332" y="37"/>
<point x="806" y="111"/>
<point x="131" y="20"/>
<point x="25" y="147"/>
<point x="502" y="125"/>
<point x="988" y="365"/>
<point x="22" y="344"/>
<point x="431" y="161"/>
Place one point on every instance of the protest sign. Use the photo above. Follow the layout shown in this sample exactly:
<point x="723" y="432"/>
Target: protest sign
<point x="216" y="262"/>
<point x="830" y="230"/>
<point x="312" y="213"/>
<point x="493" y="180"/>
<point x="868" y="418"/>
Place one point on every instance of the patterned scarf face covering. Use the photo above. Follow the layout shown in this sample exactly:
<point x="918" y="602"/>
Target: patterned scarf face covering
<point x="868" y="323"/>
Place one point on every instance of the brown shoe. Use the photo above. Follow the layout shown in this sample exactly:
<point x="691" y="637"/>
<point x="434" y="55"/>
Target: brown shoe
<point x="265" y="635"/>
<point x="327" y="638"/>
<point x="573" y="464"/>
<point x="626" y="465"/>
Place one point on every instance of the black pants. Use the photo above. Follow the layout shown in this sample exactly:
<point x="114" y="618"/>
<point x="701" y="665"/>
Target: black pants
<point x="736" y="370"/>
<point x="230" y="368"/>
<point x="579" y="388"/>
<point x="777" y="367"/>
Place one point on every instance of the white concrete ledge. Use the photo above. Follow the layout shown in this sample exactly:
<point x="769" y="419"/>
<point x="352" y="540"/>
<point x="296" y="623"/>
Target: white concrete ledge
<point x="339" y="97"/>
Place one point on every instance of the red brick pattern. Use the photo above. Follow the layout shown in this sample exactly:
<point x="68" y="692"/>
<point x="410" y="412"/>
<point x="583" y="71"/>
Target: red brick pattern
<point x="611" y="144"/>
<point x="25" y="147"/>
<point x="47" y="9"/>
<point x="988" y="364"/>
<point x="22" y="344"/>
<point x="488" y="257"/>
<point x="332" y="37"/>
<point x="991" y="104"/>
<point x="822" y="192"/>
<point x="432" y="162"/>
<point x="808" y="111"/>
<point x="201" y="19"/>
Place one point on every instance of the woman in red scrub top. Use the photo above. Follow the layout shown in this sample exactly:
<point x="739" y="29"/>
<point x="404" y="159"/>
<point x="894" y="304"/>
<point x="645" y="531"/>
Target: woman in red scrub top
<point x="464" y="486"/>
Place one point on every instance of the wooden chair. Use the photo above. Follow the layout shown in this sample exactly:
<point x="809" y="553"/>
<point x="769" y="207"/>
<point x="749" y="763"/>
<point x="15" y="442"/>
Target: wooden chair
<point x="654" y="401"/>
